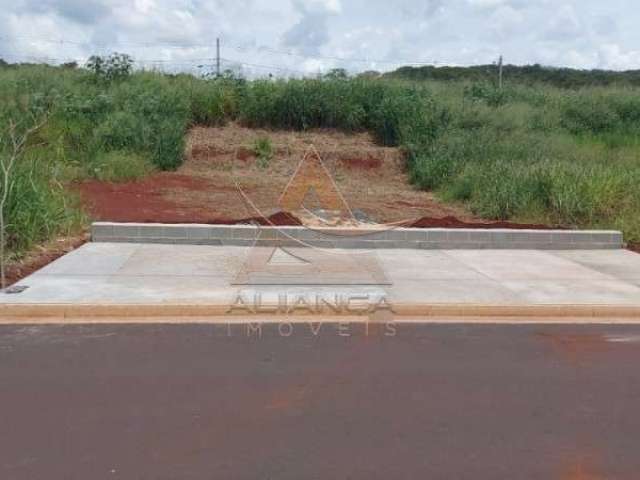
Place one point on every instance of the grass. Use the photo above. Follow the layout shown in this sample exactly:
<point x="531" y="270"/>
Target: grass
<point x="263" y="149"/>
<point x="524" y="153"/>
<point x="120" y="166"/>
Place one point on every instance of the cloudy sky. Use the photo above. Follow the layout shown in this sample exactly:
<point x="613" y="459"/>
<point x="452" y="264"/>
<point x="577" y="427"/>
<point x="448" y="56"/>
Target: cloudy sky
<point x="309" y="36"/>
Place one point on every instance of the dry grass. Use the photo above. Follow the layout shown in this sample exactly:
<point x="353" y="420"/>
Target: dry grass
<point x="371" y="178"/>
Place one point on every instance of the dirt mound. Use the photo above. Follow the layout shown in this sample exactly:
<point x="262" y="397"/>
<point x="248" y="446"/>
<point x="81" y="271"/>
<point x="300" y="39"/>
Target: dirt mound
<point x="453" y="222"/>
<point x="365" y="161"/>
<point x="371" y="179"/>
<point x="279" y="219"/>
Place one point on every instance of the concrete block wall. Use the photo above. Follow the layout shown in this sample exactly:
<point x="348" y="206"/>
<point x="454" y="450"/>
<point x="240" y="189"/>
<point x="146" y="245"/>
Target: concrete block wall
<point x="436" y="238"/>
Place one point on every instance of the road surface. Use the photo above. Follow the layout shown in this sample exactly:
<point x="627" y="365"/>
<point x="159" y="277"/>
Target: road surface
<point x="422" y="401"/>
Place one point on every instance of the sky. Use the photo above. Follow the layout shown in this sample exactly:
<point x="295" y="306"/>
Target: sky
<point x="295" y="37"/>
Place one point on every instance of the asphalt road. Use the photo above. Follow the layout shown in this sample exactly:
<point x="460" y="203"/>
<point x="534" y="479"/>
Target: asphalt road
<point x="432" y="402"/>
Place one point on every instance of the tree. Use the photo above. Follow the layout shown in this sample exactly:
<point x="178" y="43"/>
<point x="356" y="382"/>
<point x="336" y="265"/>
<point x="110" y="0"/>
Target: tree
<point x="337" y="74"/>
<point x="12" y="147"/>
<point x="116" y="66"/>
<point x="369" y="74"/>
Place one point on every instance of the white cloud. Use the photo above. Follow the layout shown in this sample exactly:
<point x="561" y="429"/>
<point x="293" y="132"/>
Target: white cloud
<point x="565" y="24"/>
<point x="612" y="56"/>
<point x="579" y="33"/>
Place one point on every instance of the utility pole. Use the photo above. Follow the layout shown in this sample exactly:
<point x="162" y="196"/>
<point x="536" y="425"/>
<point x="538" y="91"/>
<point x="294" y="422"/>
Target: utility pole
<point x="218" y="57"/>
<point x="500" y="73"/>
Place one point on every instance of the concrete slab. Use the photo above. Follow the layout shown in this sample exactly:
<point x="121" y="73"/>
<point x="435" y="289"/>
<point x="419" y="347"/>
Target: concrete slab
<point x="622" y="264"/>
<point x="92" y="259"/>
<point x="189" y="275"/>
<point x="526" y="265"/>
<point x="587" y="291"/>
<point x="355" y="238"/>
<point x="452" y="291"/>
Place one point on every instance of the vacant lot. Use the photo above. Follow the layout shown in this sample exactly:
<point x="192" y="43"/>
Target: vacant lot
<point x="218" y="160"/>
<point x="152" y="147"/>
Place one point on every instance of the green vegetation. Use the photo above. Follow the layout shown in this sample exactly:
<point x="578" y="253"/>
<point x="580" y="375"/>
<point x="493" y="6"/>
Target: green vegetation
<point x="119" y="166"/>
<point x="263" y="149"/>
<point x="527" y="152"/>
<point x="521" y="75"/>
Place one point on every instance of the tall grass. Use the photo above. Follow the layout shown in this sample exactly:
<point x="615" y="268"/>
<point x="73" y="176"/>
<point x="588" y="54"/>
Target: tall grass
<point x="533" y="153"/>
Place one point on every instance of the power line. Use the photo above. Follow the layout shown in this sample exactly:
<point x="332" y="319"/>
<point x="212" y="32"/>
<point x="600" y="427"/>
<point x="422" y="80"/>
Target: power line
<point x="144" y="62"/>
<point x="241" y="48"/>
<point x="339" y="59"/>
<point x="268" y="67"/>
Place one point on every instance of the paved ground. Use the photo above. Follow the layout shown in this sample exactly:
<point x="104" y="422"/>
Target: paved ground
<point x="147" y="273"/>
<point x="436" y="402"/>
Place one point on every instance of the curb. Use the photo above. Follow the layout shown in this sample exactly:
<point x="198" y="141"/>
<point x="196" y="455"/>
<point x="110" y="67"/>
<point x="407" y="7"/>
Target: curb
<point x="372" y="238"/>
<point x="105" y="313"/>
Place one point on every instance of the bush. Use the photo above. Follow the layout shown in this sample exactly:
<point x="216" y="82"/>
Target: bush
<point x="534" y="153"/>
<point x="587" y="114"/>
<point x="38" y="206"/>
<point x="264" y="151"/>
<point x="116" y="66"/>
<point x="118" y="166"/>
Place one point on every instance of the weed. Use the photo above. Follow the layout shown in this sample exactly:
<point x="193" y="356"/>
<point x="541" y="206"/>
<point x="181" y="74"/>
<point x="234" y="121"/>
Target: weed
<point x="263" y="150"/>
<point x="538" y="153"/>
<point x="119" y="166"/>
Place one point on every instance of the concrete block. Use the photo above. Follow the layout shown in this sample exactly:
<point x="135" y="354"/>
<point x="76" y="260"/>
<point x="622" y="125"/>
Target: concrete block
<point x="516" y="235"/>
<point x="388" y="245"/>
<point x="410" y="235"/>
<point x="581" y="237"/>
<point x="374" y="236"/>
<point x="322" y="244"/>
<point x="126" y="230"/>
<point x="540" y="237"/>
<point x="459" y="236"/>
<point x="562" y="238"/>
<point x="617" y="238"/>
<point x="175" y="232"/>
<point x="364" y="238"/>
<point x="199" y="232"/>
<point x="308" y="234"/>
<point x="219" y="232"/>
<point x="237" y="242"/>
<point x="147" y="232"/>
<point x="437" y="235"/>
<point x="261" y="233"/>
<point x="101" y="231"/>
<point x="480" y="236"/>
<point x="360" y="244"/>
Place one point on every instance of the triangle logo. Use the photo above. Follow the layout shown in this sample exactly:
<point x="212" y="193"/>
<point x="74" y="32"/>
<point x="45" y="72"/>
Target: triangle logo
<point x="312" y="181"/>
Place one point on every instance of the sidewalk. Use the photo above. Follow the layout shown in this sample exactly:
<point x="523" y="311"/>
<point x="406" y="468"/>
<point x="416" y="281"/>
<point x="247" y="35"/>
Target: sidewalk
<point x="197" y="276"/>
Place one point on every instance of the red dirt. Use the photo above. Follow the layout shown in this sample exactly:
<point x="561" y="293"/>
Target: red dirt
<point x="42" y="256"/>
<point x="204" y="190"/>
<point x="144" y="200"/>
<point x="453" y="222"/>
<point x="278" y="219"/>
<point x="372" y="180"/>
<point x="367" y="162"/>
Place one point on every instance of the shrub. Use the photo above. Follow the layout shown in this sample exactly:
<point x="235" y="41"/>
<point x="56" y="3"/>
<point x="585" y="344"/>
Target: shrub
<point x="118" y="166"/>
<point x="38" y="206"/>
<point x="263" y="149"/>
<point x="588" y="114"/>
<point x="116" y="66"/>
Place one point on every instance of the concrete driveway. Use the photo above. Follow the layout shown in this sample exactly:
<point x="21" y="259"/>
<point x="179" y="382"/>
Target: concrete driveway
<point x="192" y="275"/>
